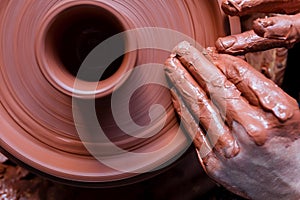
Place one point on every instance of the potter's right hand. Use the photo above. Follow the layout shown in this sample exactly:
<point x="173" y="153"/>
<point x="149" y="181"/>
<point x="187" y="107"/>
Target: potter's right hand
<point x="245" y="128"/>
<point x="267" y="33"/>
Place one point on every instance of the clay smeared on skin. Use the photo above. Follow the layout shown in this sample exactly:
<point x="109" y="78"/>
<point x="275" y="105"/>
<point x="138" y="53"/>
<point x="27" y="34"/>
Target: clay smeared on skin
<point x="202" y="108"/>
<point x="196" y="133"/>
<point x="262" y="118"/>
<point x="224" y="93"/>
<point x="268" y="32"/>
<point x="243" y="7"/>
<point x="258" y="90"/>
<point x="246" y="42"/>
<point x="237" y="89"/>
<point x="281" y="27"/>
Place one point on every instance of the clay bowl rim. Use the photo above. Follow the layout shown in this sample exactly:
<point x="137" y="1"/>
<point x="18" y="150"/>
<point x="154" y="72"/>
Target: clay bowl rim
<point x="64" y="81"/>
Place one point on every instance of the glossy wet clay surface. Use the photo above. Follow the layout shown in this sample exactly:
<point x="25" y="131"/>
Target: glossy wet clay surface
<point x="36" y="78"/>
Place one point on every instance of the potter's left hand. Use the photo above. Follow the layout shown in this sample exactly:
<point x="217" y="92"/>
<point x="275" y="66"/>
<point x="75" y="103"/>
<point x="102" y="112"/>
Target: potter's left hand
<point x="246" y="129"/>
<point x="279" y="31"/>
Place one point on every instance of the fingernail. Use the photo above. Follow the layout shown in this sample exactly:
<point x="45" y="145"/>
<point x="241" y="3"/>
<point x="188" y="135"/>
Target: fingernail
<point x="223" y="44"/>
<point x="260" y="26"/>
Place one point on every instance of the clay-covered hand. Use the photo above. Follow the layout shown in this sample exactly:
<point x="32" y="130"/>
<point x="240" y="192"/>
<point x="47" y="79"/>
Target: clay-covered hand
<point x="279" y="31"/>
<point x="246" y="129"/>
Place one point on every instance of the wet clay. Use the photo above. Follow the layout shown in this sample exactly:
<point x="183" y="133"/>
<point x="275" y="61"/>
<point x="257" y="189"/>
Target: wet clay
<point x="272" y="63"/>
<point x="269" y="32"/>
<point x="198" y="102"/>
<point x="227" y="98"/>
<point x="243" y="7"/>
<point x="37" y="125"/>
<point x="17" y="183"/>
<point x="262" y="119"/>
<point x="246" y="42"/>
<point x="257" y="89"/>
<point x="282" y="27"/>
<point x="189" y="123"/>
<point x="231" y="89"/>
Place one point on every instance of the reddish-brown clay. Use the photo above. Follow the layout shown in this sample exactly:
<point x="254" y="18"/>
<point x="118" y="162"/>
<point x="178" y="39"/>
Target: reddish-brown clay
<point x="268" y="32"/>
<point x="246" y="42"/>
<point x="262" y="118"/>
<point x="243" y="7"/>
<point x="272" y="63"/>
<point x="40" y="40"/>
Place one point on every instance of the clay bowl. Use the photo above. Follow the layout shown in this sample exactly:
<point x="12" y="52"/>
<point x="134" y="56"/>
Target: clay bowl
<point x="43" y="45"/>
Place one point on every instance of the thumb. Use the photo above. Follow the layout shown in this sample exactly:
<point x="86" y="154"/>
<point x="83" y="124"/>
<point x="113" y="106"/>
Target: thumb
<point x="280" y="27"/>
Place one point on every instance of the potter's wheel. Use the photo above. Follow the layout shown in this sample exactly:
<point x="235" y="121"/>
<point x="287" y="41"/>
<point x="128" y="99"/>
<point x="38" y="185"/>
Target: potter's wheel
<point x="42" y="46"/>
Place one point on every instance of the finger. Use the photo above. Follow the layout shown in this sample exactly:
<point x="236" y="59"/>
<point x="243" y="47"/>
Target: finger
<point x="223" y="93"/>
<point x="201" y="107"/>
<point x="190" y="125"/>
<point x="255" y="87"/>
<point x="281" y="27"/>
<point x="244" y="7"/>
<point x="246" y="42"/>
